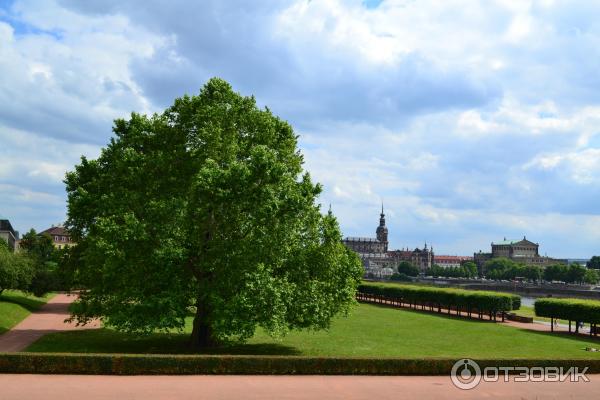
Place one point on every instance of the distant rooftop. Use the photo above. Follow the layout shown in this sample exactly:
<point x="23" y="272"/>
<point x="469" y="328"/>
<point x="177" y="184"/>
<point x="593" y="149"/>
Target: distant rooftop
<point x="452" y="258"/>
<point x="6" y="226"/>
<point x="511" y="241"/>
<point x="360" y="239"/>
<point x="56" y="230"/>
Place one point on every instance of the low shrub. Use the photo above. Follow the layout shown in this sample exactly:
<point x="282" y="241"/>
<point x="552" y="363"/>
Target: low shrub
<point x="482" y="301"/>
<point x="569" y="309"/>
<point x="119" y="364"/>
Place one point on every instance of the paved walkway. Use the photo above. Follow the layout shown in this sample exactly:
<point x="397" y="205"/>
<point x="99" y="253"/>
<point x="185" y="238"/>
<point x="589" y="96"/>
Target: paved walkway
<point x="60" y="387"/>
<point x="49" y="318"/>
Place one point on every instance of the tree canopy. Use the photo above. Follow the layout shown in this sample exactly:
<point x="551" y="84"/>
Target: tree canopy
<point x="408" y="269"/>
<point x="594" y="262"/>
<point x="206" y="207"/>
<point x="467" y="269"/>
<point x="16" y="269"/>
<point x="45" y="259"/>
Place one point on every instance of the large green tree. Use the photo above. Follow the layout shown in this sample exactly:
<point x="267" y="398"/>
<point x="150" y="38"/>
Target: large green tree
<point x="16" y="269"/>
<point x="556" y="272"/>
<point x="407" y="268"/>
<point x="44" y="256"/>
<point x="206" y="207"/>
<point x="576" y="273"/>
<point x="594" y="262"/>
<point x="591" y="276"/>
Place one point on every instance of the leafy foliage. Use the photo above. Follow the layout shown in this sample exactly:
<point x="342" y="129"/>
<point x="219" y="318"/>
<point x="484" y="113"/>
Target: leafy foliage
<point x="594" y="262"/>
<point x="591" y="276"/>
<point x="444" y="297"/>
<point x="148" y="364"/>
<point x="400" y="277"/>
<point x="504" y="268"/>
<point x="466" y="270"/>
<point x="45" y="259"/>
<point x="206" y="206"/>
<point x="556" y="272"/>
<point x="16" y="270"/>
<point x="408" y="269"/>
<point x="569" y="309"/>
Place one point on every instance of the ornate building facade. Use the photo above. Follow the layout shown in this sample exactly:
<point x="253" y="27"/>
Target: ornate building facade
<point x="379" y="262"/>
<point x="522" y="251"/>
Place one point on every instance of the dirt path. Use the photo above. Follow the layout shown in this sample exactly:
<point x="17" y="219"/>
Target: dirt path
<point x="50" y="387"/>
<point x="49" y="318"/>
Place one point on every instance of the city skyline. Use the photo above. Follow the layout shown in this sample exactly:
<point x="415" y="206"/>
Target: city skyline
<point x="473" y="121"/>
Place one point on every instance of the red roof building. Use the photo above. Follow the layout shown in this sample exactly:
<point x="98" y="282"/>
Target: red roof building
<point x="450" y="261"/>
<point x="60" y="236"/>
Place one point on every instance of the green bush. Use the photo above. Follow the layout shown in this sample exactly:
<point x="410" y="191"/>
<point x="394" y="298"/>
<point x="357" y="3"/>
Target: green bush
<point x="516" y="302"/>
<point x="482" y="301"/>
<point x="569" y="309"/>
<point x="119" y="364"/>
<point x="400" y="277"/>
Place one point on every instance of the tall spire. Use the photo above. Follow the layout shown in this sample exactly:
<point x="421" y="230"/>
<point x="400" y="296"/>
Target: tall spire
<point x="382" y="231"/>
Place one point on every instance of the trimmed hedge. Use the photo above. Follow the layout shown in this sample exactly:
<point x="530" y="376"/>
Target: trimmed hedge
<point x="482" y="301"/>
<point x="516" y="301"/>
<point x="119" y="364"/>
<point x="569" y="309"/>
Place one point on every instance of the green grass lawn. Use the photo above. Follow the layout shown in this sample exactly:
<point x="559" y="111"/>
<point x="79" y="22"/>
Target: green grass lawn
<point x="370" y="331"/>
<point x="16" y="305"/>
<point x="528" y="311"/>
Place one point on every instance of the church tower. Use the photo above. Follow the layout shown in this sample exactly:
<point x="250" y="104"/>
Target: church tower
<point x="382" y="231"/>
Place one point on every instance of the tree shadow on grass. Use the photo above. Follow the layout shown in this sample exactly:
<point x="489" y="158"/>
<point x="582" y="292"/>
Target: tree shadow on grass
<point x="28" y="302"/>
<point x="593" y="341"/>
<point x="110" y="341"/>
<point x="444" y="314"/>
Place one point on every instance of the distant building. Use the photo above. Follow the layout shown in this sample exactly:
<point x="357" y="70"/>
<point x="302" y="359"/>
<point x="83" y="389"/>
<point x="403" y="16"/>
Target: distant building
<point x="373" y="251"/>
<point x="367" y="245"/>
<point x="61" y="238"/>
<point x="451" y="261"/>
<point x="8" y="234"/>
<point x="420" y="258"/>
<point x="522" y="251"/>
<point x="381" y="263"/>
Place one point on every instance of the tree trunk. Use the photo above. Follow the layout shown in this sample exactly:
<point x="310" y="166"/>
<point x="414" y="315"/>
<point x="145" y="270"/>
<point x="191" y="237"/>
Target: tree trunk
<point x="202" y="333"/>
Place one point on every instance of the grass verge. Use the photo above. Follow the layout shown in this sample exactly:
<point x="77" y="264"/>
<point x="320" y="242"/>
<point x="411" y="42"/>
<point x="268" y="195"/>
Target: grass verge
<point x="370" y="331"/>
<point x="16" y="306"/>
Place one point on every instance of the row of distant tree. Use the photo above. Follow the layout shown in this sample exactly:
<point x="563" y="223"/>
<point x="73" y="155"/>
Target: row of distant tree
<point x="594" y="263"/>
<point x="506" y="269"/>
<point x="35" y="267"/>
<point x="406" y="270"/>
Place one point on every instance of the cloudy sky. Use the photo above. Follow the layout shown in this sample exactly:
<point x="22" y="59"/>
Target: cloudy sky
<point x="472" y="121"/>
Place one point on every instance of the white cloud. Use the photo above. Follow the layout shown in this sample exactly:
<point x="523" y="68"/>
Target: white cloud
<point x="582" y="166"/>
<point x="460" y="115"/>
